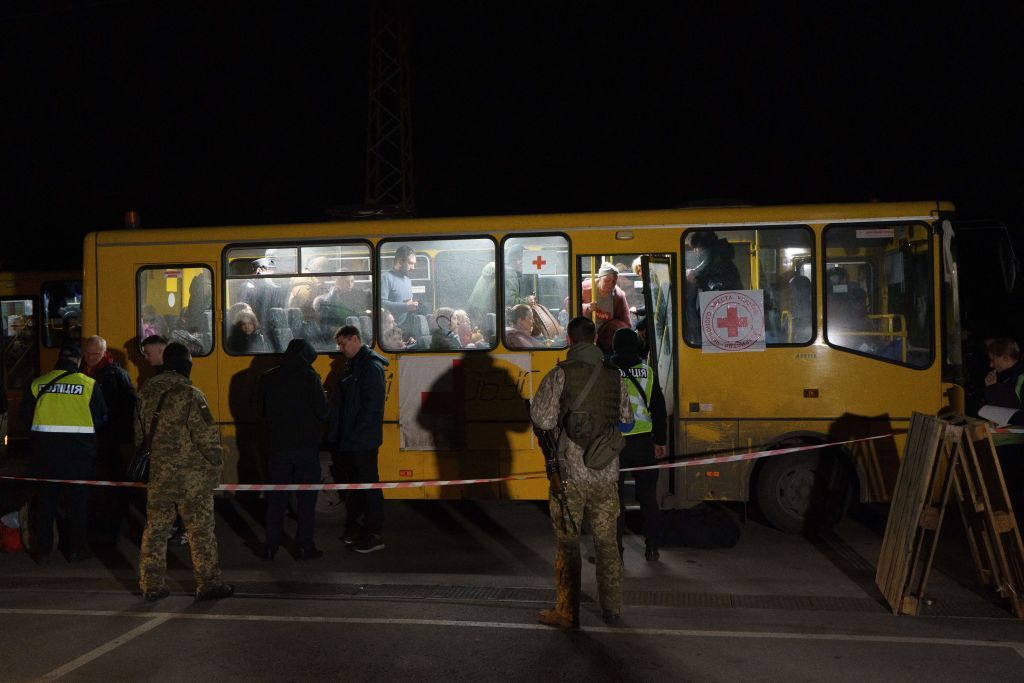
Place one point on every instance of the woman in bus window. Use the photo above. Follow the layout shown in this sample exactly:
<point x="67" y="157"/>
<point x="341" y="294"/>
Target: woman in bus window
<point x="520" y="335"/>
<point x="391" y="338"/>
<point x="463" y="327"/>
<point x="246" y="336"/>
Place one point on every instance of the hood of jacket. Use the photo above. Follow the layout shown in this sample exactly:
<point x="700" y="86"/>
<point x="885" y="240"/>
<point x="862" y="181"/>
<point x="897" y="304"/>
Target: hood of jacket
<point x="586" y="352"/>
<point x="299" y="354"/>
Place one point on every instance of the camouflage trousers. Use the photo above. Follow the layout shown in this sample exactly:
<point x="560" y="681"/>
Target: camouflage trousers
<point x="197" y="512"/>
<point x="599" y="505"/>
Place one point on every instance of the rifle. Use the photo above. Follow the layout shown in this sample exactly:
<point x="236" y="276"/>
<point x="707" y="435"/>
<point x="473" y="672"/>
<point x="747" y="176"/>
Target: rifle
<point x="548" y="442"/>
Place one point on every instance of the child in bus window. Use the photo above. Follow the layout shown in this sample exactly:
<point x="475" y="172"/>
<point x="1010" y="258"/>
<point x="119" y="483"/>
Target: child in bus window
<point x="246" y="336"/>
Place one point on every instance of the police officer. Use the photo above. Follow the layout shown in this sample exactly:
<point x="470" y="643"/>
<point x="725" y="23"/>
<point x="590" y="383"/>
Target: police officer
<point x="645" y="442"/>
<point x="64" y="408"/>
<point x="590" y="493"/>
<point x="184" y="469"/>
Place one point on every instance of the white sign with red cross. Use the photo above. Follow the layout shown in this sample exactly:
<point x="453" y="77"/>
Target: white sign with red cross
<point x="539" y="262"/>
<point x="732" y="321"/>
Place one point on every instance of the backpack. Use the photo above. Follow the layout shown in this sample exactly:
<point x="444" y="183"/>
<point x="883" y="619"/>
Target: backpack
<point x="601" y="444"/>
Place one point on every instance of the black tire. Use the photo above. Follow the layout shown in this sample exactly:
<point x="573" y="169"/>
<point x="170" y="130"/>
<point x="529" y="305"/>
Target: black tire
<point x="804" y="492"/>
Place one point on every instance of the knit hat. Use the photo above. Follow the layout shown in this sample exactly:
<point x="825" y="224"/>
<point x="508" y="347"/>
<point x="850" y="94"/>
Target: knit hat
<point x="626" y="342"/>
<point x="607" y="269"/>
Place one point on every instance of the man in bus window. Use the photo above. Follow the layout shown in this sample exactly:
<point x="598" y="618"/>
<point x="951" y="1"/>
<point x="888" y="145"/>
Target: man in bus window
<point x="396" y="286"/>
<point x="514" y="292"/>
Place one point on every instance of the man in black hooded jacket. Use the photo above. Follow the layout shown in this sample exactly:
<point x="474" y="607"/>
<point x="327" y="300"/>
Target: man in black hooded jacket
<point x="292" y="400"/>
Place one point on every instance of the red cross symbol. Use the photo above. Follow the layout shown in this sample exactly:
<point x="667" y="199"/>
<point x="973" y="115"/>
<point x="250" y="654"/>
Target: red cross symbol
<point x="539" y="262"/>
<point x="732" y="321"/>
<point x="445" y="402"/>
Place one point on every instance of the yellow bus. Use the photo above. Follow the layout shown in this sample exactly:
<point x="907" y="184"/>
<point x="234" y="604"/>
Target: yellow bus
<point x="39" y="311"/>
<point x="768" y="326"/>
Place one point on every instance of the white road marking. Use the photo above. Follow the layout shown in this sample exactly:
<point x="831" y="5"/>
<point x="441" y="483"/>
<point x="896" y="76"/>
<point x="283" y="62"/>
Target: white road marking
<point x="106" y="647"/>
<point x="157" y="618"/>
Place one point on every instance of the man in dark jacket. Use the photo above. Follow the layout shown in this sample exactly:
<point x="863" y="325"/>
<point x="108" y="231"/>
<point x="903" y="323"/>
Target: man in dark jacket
<point x="645" y="442"/>
<point x="64" y="408"/>
<point x="356" y="432"/>
<point x="113" y="440"/>
<point x="1004" y="388"/>
<point x="291" y="399"/>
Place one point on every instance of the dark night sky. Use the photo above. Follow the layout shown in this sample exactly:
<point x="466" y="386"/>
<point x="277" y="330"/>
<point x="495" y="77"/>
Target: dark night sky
<point x="254" y="113"/>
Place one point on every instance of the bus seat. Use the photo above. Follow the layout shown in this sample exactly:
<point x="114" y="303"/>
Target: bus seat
<point x="278" y="332"/>
<point x="295" y="320"/>
<point x="367" y="326"/>
<point x="421" y="329"/>
<point x="490" y="327"/>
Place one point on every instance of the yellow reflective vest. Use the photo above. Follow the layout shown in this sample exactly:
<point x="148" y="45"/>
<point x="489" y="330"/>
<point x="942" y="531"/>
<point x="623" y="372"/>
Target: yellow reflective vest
<point x="642" y="422"/>
<point x="63" y="407"/>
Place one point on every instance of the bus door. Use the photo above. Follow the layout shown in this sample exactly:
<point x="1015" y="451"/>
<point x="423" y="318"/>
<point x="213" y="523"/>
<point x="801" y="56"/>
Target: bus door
<point x="659" y="302"/>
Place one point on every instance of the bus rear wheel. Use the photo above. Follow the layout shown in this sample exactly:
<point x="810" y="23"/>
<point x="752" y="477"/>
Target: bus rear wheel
<point x="804" y="492"/>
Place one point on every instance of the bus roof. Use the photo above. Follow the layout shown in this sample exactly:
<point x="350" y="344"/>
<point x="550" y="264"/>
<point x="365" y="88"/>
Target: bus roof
<point x="687" y="217"/>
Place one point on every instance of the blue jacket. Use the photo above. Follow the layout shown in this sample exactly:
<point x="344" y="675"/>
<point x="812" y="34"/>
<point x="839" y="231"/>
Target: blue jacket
<point x="357" y="405"/>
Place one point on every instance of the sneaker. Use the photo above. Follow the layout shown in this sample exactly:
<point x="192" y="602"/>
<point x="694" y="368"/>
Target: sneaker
<point x="352" y="535"/>
<point x="368" y="544"/>
<point x="178" y="538"/>
<point x="155" y="594"/>
<point x="651" y="553"/>
<point x="221" y="590"/>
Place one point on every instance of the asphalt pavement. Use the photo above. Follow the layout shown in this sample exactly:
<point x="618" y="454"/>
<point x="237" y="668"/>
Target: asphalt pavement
<point x="455" y="595"/>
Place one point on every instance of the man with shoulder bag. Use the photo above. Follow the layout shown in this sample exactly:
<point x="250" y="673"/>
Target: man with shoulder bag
<point x="581" y="407"/>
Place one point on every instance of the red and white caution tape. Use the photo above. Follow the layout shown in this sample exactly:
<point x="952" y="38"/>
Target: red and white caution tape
<point x="693" y="462"/>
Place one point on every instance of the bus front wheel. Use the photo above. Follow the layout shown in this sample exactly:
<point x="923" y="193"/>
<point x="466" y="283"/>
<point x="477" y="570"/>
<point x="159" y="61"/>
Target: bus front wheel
<point x="804" y="492"/>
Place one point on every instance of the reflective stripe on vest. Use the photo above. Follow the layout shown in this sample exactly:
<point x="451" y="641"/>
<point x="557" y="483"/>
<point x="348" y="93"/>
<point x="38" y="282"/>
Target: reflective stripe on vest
<point x="642" y="423"/>
<point x="64" y="408"/>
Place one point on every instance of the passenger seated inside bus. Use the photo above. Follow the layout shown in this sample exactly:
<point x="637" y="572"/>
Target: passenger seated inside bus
<point x="336" y="306"/>
<point x="391" y="335"/>
<point x="443" y="336"/>
<point x="152" y="323"/>
<point x="469" y="336"/>
<point x="246" y="335"/>
<point x="846" y="308"/>
<point x="520" y="335"/>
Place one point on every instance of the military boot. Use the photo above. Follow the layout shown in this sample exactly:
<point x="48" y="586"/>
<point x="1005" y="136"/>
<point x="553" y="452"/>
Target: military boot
<point x="566" y="612"/>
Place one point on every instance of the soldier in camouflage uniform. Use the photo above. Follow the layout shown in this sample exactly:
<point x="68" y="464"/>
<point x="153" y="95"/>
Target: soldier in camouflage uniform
<point x="185" y="464"/>
<point x="590" y="493"/>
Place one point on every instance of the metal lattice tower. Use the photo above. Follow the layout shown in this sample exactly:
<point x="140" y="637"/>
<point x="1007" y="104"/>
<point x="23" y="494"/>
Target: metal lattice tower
<point x="389" y="177"/>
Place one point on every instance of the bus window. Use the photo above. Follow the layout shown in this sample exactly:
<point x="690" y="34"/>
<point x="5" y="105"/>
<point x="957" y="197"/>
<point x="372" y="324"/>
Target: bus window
<point x="276" y="294"/>
<point x="176" y="302"/>
<point x="62" y="303"/>
<point x="877" y="283"/>
<point x="779" y="261"/>
<point x="20" y="353"/>
<point x="430" y="298"/>
<point x="536" y="291"/>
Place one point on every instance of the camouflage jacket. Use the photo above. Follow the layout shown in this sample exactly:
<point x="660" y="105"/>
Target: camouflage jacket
<point x="185" y="454"/>
<point x="546" y="408"/>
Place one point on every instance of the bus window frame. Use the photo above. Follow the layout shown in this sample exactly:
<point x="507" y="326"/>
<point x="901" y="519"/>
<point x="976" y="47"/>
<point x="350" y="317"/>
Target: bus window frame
<point x="37" y="356"/>
<point x="42" y="302"/>
<point x="297" y="245"/>
<point x="815" y="266"/>
<point x="500" y="287"/>
<point x="172" y="266"/>
<point x="428" y="238"/>
<point x="823" y="280"/>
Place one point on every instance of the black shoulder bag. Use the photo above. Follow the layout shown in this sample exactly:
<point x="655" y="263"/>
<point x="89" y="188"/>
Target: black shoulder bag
<point x="138" y="468"/>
